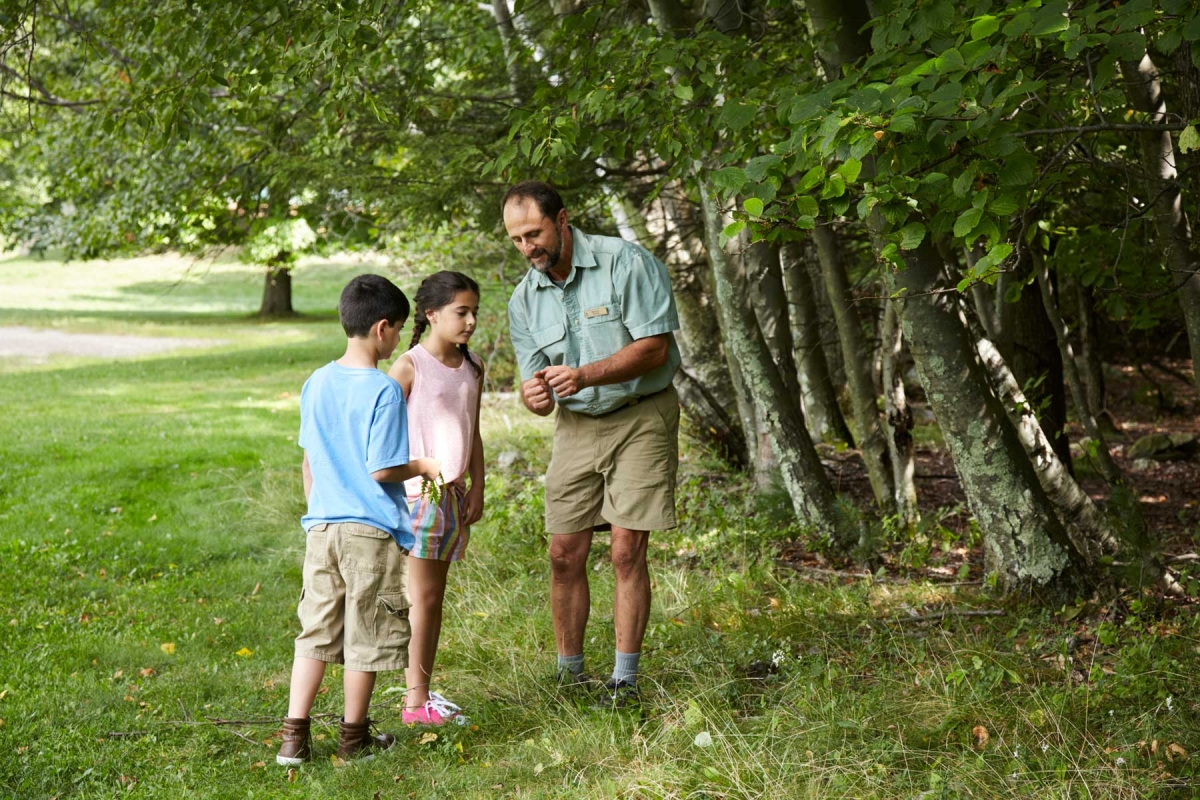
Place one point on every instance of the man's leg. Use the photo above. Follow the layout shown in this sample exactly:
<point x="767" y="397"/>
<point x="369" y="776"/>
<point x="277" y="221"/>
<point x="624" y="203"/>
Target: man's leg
<point x="631" y="603"/>
<point x="570" y="599"/>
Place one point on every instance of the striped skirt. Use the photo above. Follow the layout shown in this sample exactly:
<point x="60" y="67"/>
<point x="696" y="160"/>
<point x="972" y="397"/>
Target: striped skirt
<point x="438" y="527"/>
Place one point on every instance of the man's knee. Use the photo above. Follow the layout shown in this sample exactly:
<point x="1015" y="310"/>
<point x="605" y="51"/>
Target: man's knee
<point x="567" y="557"/>
<point x="628" y="558"/>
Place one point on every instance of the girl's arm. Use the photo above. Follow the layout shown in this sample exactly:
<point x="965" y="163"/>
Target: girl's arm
<point x="475" y="466"/>
<point x="403" y="372"/>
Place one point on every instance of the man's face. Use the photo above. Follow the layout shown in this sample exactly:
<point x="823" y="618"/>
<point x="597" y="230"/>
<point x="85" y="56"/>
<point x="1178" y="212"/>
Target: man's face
<point x="538" y="237"/>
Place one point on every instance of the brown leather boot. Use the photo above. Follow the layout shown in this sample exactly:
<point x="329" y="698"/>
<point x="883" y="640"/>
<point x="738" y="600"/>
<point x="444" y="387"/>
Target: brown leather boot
<point x="297" y="744"/>
<point x="355" y="741"/>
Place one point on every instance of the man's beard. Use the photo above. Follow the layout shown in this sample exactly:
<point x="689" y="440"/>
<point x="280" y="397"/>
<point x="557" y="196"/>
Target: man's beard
<point x="552" y="257"/>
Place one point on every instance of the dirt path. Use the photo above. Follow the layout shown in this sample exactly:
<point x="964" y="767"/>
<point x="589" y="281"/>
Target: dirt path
<point x="39" y="344"/>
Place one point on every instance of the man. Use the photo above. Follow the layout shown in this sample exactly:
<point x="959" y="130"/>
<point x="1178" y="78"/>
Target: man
<point x="592" y="325"/>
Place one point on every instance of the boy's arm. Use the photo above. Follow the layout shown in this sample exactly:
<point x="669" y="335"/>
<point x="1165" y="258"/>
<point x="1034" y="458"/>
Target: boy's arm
<point x="428" y="468"/>
<point x="306" y="470"/>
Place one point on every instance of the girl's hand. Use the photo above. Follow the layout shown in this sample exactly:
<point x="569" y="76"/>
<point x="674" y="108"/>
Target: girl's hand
<point x="473" y="512"/>
<point x="431" y="468"/>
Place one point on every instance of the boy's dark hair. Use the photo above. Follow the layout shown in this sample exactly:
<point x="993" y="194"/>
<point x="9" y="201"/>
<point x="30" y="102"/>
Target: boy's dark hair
<point x="368" y="299"/>
<point x="437" y="291"/>
<point x="546" y="196"/>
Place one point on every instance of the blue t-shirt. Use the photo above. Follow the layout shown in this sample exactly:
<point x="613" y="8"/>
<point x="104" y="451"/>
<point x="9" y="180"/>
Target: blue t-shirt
<point x="352" y="423"/>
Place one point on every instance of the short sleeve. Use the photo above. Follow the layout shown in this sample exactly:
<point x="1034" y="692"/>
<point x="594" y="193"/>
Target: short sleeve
<point x="305" y="414"/>
<point x="387" y="442"/>
<point x="644" y="286"/>
<point x="530" y="358"/>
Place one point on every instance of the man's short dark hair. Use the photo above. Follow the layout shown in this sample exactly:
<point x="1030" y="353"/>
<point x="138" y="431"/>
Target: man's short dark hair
<point x="368" y="299"/>
<point x="546" y="196"/>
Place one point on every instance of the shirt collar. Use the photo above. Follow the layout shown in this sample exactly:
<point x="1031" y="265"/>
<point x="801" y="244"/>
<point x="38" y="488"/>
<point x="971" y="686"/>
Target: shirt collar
<point x="581" y="257"/>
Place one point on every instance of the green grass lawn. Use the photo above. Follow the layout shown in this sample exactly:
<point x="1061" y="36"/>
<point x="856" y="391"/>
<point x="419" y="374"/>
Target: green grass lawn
<point x="150" y="559"/>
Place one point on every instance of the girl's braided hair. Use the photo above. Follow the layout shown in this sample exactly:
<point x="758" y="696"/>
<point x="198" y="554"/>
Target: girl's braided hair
<point x="435" y="292"/>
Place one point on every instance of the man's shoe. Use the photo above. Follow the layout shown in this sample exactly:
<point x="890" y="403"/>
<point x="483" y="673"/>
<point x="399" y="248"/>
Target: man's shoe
<point x="297" y="742"/>
<point x="356" y="742"/>
<point x="619" y="695"/>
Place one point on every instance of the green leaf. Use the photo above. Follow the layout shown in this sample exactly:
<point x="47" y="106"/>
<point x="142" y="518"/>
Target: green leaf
<point x="806" y="206"/>
<point x="950" y="61"/>
<point x="834" y="187"/>
<point x="753" y="206"/>
<point x="1019" y="168"/>
<point x="984" y="27"/>
<point x="736" y="116"/>
<point x="733" y="229"/>
<point x="1003" y="206"/>
<point x="729" y="179"/>
<point x="1018" y="25"/>
<point x="902" y="123"/>
<point x="850" y="169"/>
<point x="1189" y="139"/>
<point x="911" y="236"/>
<point x="967" y="221"/>
<point x="806" y="223"/>
<point x="964" y="182"/>
<point x="756" y="168"/>
<point x="683" y="92"/>
<point x="980" y="199"/>
<point x="1051" y="19"/>
<point x="1129" y="46"/>
<point x="811" y="178"/>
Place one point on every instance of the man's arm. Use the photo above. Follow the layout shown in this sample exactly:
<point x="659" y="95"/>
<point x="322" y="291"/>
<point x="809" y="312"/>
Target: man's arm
<point x="631" y="361"/>
<point x="535" y="392"/>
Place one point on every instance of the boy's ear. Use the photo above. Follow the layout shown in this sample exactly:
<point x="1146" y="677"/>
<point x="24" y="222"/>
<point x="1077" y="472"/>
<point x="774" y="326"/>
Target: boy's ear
<point x="377" y="329"/>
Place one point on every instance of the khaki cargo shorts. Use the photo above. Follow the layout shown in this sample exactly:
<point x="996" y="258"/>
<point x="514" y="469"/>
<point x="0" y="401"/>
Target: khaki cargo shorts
<point x="618" y="468"/>
<point x="354" y="604"/>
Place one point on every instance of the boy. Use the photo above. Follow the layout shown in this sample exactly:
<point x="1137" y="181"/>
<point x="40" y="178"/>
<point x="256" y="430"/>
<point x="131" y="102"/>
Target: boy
<point x="354" y="606"/>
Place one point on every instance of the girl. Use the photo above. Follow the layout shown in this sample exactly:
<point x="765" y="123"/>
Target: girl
<point x="442" y="381"/>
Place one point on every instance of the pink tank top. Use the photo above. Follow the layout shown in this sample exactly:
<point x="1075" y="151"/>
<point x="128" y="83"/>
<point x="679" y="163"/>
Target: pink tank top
<point x="441" y="415"/>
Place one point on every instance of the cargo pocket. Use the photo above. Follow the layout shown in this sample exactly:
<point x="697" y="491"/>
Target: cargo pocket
<point x="315" y="545"/>
<point x="391" y="619"/>
<point x="365" y="548"/>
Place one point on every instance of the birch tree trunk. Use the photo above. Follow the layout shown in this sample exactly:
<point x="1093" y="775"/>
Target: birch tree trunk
<point x="1027" y="341"/>
<point x="1025" y="544"/>
<point x="1144" y="90"/>
<point x="899" y="417"/>
<point x="707" y="386"/>
<point x="859" y="377"/>
<point x="800" y="467"/>
<point x="819" y="399"/>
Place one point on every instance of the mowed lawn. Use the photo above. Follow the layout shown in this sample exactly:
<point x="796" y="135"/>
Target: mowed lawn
<point x="150" y="558"/>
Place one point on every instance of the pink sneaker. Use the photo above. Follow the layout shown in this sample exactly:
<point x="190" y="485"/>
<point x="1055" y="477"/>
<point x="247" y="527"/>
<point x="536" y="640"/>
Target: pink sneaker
<point x="436" y="711"/>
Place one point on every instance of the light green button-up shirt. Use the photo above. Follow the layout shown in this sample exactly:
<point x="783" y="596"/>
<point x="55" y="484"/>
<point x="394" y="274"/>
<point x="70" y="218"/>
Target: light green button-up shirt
<point x="615" y="294"/>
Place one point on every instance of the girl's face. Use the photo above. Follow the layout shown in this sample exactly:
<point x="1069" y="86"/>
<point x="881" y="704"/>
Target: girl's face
<point x="455" y="321"/>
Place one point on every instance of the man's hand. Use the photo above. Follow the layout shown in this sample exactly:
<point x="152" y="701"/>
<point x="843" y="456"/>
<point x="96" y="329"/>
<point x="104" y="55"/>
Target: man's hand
<point x="474" y="505"/>
<point x="564" y="380"/>
<point x="536" y="392"/>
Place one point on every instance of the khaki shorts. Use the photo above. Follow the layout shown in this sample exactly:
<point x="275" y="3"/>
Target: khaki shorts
<point x="618" y="468"/>
<point x="354" y="604"/>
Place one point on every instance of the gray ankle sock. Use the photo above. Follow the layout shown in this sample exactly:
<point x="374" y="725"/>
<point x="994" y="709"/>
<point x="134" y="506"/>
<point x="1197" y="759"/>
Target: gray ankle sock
<point x="626" y="667"/>
<point x="571" y="664"/>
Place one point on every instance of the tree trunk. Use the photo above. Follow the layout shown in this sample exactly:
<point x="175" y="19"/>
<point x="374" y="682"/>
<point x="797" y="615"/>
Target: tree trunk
<point x="277" y="293"/>
<point x="706" y="386"/>
<point x="1025" y="545"/>
<point x="1093" y="363"/>
<point x="1092" y="534"/>
<point x="1027" y="342"/>
<point x="859" y="377"/>
<point x="800" y="467"/>
<point x="1174" y="233"/>
<point x="765" y="282"/>
<point x="1108" y="467"/>
<point x="817" y="394"/>
<point x="899" y="417"/>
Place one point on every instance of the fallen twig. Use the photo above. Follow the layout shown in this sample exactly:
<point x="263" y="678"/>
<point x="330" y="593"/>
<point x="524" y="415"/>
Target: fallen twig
<point x="835" y="573"/>
<point x="124" y="734"/>
<point x="992" y="612"/>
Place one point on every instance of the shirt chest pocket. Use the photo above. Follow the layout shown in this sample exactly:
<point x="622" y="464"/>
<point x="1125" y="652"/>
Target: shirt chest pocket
<point x="552" y="341"/>
<point x="603" y="329"/>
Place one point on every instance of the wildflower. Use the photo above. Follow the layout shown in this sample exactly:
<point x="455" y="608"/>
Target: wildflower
<point x="1045" y="746"/>
<point x="1169" y="700"/>
<point x="1120" y="762"/>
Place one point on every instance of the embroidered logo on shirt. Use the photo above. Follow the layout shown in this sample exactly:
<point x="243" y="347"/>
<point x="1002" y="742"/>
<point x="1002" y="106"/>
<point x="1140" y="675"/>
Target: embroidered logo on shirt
<point x="601" y="311"/>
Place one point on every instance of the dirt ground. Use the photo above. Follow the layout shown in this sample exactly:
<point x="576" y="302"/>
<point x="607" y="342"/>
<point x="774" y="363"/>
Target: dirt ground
<point x="1145" y="400"/>
<point x="38" y="345"/>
